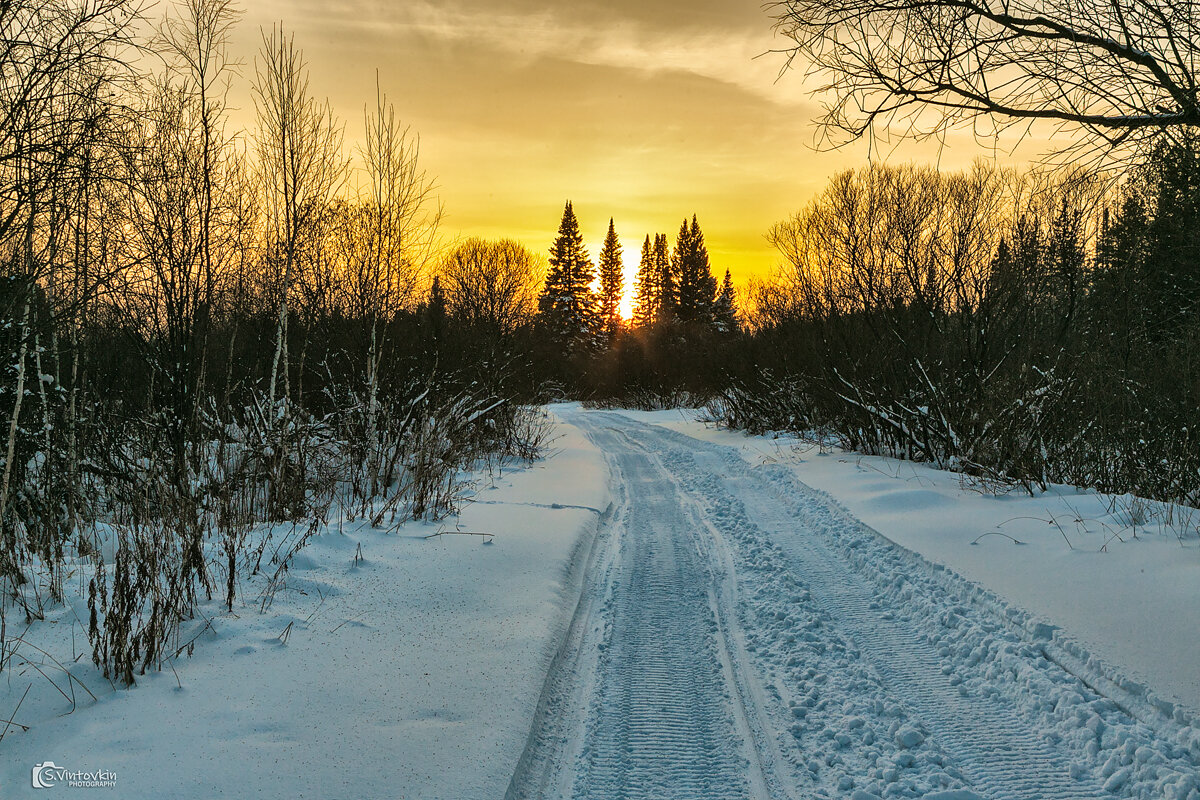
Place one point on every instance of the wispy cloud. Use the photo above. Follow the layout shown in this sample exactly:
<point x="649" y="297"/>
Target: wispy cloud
<point x="737" y="57"/>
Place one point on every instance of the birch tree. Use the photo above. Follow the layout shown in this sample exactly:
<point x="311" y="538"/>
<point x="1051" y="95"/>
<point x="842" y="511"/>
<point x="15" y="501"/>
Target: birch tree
<point x="299" y="143"/>
<point x="59" y="61"/>
<point x="401" y="225"/>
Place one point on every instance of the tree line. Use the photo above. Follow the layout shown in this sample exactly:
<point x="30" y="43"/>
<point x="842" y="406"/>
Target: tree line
<point x="207" y="330"/>
<point x="679" y="310"/>
<point x="1027" y="328"/>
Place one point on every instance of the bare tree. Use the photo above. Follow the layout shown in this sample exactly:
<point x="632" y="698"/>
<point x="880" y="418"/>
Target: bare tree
<point x="404" y="213"/>
<point x="1123" y="72"/>
<point x="402" y="220"/>
<point x="299" y="151"/>
<point x="931" y="311"/>
<point x="59" y="63"/>
<point x="492" y="286"/>
<point x="196" y="45"/>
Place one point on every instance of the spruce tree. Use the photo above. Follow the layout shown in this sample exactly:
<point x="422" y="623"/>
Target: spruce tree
<point x="680" y="266"/>
<point x="725" y="309"/>
<point x="645" y="301"/>
<point x="611" y="281"/>
<point x="567" y="304"/>
<point x="697" y="287"/>
<point x="666" y="290"/>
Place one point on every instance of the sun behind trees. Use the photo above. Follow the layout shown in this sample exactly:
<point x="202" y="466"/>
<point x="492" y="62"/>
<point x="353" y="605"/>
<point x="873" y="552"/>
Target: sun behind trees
<point x="678" y="314"/>
<point x="208" y="341"/>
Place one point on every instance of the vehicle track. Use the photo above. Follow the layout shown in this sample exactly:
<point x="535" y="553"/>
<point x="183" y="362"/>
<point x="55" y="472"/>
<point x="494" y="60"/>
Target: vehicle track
<point x="736" y="643"/>
<point x="664" y="719"/>
<point x="1001" y="754"/>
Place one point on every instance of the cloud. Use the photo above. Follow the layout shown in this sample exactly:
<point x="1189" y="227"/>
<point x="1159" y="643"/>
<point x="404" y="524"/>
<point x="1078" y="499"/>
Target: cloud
<point x="735" y="55"/>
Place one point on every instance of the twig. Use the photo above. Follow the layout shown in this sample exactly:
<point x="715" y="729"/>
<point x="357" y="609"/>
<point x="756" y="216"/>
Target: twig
<point x="41" y="672"/>
<point x="1051" y="521"/>
<point x="459" y="533"/>
<point x="996" y="533"/>
<point x="208" y="626"/>
<point x="320" y="594"/>
<point x="70" y="678"/>
<point x="13" y="719"/>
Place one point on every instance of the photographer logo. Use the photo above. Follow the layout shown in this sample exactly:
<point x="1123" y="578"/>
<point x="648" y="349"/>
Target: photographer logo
<point x="47" y="775"/>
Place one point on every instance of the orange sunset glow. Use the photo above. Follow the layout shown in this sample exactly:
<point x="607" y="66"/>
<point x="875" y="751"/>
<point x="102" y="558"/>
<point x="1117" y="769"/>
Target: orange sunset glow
<point x="643" y="112"/>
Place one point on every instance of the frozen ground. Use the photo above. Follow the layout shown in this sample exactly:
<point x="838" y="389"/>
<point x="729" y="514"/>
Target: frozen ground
<point x="672" y="611"/>
<point x="412" y="674"/>
<point x="742" y="635"/>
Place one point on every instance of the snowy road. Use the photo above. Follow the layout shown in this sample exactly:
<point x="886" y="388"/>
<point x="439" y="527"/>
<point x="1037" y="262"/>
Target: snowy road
<point x="737" y="635"/>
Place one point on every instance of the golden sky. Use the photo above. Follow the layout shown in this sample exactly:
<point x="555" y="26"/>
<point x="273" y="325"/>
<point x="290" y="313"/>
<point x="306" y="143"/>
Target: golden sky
<point x="638" y="110"/>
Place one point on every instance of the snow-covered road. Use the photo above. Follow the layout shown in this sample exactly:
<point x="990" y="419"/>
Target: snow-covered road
<point x="738" y="635"/>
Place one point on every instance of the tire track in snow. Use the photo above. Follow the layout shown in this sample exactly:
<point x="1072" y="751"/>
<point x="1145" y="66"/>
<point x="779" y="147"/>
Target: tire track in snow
<point x="1008" y="717"/>
<point x="662" y="723"/>
<point x="648" y="696"/>
<point x="746" y="638"/>
<point x="1001" y="754"/>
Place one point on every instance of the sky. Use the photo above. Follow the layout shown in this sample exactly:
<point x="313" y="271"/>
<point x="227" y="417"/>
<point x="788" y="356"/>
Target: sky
<point x="646" y="112"/>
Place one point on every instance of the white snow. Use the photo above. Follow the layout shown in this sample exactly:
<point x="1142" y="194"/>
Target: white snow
<point x="1129" y="596"/>
<point x="413" y="674"/>
<point x="846" y="626"/>
<point x="819" y="659"/>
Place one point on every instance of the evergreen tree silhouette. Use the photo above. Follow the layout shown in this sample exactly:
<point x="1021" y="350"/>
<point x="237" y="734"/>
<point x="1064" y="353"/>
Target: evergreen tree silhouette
<point x="697" y="288"/>
<point x="567" y="304"/>
<point x="645" y="301"/>
<point x="611" y="281"/>
<point x="725" y="308"/>
<point x="667" y="285"/>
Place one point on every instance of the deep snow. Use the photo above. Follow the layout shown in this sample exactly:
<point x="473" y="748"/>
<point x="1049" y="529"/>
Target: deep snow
<point x="1128" y="594"/>
<point x="412" y="674"/>
<point x="852" y="667"/>
<point x="661" y="597"/>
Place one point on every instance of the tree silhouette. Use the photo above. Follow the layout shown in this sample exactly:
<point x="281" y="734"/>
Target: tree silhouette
<point x="1122" y="72"/>
<point x="725" y="308"/>
<point x="697" y="286"/>
<point x="668" y="287"/>
<point x="567" y="304"/>
<point x="611" y="281"/>
<point x="645" y="302"/>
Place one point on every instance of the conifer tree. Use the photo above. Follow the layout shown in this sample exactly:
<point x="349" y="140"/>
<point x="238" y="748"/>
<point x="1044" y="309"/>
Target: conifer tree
<point x="667" y="288"/>
<point x="611" y="280"/>
<point x="725" y="309"/>
<point x="436" y="309"/>
<point x="567" y="304"/>
<point x="697" y="288"/>
<point x="645" y="301"/>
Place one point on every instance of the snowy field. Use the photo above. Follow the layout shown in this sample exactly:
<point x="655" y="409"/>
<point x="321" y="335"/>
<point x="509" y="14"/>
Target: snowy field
<point x="410" y="673"/>
<point x="667" y="610"/>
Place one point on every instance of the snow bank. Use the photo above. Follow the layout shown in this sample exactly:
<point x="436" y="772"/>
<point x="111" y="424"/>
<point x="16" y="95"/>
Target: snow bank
<point x="1123" y="601"/>
<point x="925" y="647"/>
<point x="390" y="665"/>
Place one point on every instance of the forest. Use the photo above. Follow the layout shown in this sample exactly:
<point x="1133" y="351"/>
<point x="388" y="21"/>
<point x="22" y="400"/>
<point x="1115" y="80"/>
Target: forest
<point x="207" y="329"/>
